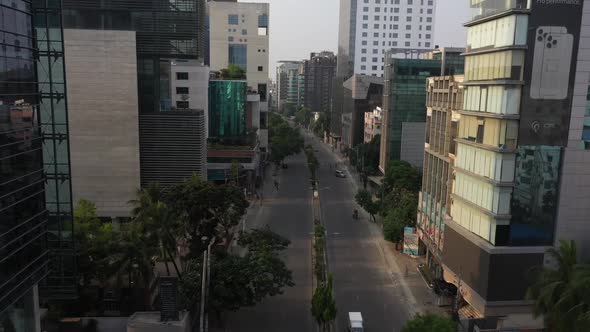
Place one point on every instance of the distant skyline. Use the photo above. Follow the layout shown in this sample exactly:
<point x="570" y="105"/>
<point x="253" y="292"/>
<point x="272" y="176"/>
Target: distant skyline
<point x="299" y="27"/>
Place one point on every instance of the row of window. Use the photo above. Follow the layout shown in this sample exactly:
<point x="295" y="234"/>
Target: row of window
<point x="397" y="2"/>
<point x="395" y="27"/>
<point x="363" y="67"/>
<point x="394" y="35"/>
<point x="392" y="44"/>
<point x="234" y="19"/>
<point x="396" y="10"/>
<point x="394" y="18"/>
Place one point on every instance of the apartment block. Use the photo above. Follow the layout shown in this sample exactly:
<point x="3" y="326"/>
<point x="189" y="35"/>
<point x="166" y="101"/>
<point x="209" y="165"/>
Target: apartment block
<point x="444" y="97"/>
<point x="288" y="85"/>
<point x="239" y="35"/>
<point x="318" y="75"/>
<point x="520" y="140"/>
<point x="373" y="124"/>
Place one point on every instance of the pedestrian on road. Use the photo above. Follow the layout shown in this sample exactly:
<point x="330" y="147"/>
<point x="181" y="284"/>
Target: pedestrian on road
<point x="277" y="185"/>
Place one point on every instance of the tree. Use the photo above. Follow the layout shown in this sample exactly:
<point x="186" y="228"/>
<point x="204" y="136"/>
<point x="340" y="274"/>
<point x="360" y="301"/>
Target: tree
<point x="430" y="323"/>
<point x="245" y="281"/>
<point x="323" y="305"/>
<point x="94" y="243"/>
<point x="233" y="72"/>
<point x="263" y="239"/>
<point x="284" y="140"/>
<point x="158" y="223"/>
<point x="560" y="293"/>
<point x="393" y="230"/>
<point x="365" y="157"/>
<point x="303" y="116"/>
<point x="206" y="210"/>
<point x="402" y="175"/>
<point x="189" y="287"/>
<point x="365" y="200"/>
<point x="321" y="126"/>
<point x="132" y="258"/>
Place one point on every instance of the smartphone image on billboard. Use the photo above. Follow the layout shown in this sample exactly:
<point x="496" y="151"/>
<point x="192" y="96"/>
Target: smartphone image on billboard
<point x="552" y="60"/>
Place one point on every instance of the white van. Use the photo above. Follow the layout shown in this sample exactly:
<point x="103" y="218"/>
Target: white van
<point x="355" y="322"/>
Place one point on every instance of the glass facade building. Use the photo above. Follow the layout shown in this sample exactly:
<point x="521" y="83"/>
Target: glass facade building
<point x="24" y="258"/>
<point x="227" y="109"/>
<point x="404" y="94"/>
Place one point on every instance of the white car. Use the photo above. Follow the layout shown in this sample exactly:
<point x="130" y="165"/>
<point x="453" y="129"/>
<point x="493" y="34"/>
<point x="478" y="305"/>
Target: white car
<point x="355" y="322"/>
<point x="339" y="174"/>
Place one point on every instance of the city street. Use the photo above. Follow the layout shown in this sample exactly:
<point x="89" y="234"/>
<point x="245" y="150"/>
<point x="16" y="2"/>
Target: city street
<point x="363" y="276"/>
<point x="288" y="212"/>
<point x="363" y="280"/>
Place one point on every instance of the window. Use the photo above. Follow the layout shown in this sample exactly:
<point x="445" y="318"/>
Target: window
<point x="375" y="26"/>
<point x="428" y="28"/>
<point x="365" y="26"/>
<point x="375" y="43"/>
<point x="408" y="35"/>
<point x="364" y="51"/>
<point x="395" y="35"/>
<point x="408" y="18"/>
<point x="230" y="38"/>
<point x="181" y="104"/>
<point x="375" y="59"/>
<point x="365" y="9"/>
<point x="409" y="10"/>
<point x="408" y="27"/>
<point x="427" y="44"/>
<point x="376" y="17"/>
<point x="429" y="11"/>
<point x="394" y="43"/>
<point x="365" y="34"/>
<point x="238" y="55"/>
<point x="396" y="10"/>
<point x="374" y="67"/>
<point x="262" y="91"/>
<point x="375" y="51"/>
<point x="364" y="59"/>
<point x="430" y="2"/>
<point x="410" y="2"/>
<point x="395" y="27"/>
<point x="407" y="43"/>
<point x="181" y="76"/>
<point x="364" y="42"/>
<point x="396" y="2"/>
<point x="365" y="17"/>
<point x="376" y="34"/>
<point x="263" y="21"/>
<point x="181" y="90"/>
<point x="377" y="9"/>
<point x="396" y="18"/>
<point x="244" y="32"/>
<point x="232" y="19"/>
<point x="427" y="36"/>
<point x="429" y="19"/>
<point x="260" y="68"/>
<point x="363" y="67"/>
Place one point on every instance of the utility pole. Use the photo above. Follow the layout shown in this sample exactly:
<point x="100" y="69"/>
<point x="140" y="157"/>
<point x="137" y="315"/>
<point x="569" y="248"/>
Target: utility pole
<point x="208" y="283"/>
<point x="203" y="281"/>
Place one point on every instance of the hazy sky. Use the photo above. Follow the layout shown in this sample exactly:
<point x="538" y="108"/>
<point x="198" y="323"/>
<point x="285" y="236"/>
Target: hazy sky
<point x="299" y="27"/>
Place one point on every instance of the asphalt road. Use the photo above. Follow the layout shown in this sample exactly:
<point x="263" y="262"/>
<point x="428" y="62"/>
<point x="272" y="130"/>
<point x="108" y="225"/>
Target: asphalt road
<point x="362" y="280"/>
<point x="288" y="212"/>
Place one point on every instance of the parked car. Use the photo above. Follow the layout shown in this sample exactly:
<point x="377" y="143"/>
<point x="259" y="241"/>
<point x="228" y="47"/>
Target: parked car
<point x="339" y="174"/>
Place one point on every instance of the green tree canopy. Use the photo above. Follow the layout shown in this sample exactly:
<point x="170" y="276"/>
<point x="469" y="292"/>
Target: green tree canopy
<point x="284" y="140"/>
<point x="303" y="116"/>
<point x="233" y="72"/>
<point x="402" y="175"/>
<point x="562" y="293"/>
<point x="365" y="200"/>
<point x="323" y="304"/>
<point x="430" y="323"/>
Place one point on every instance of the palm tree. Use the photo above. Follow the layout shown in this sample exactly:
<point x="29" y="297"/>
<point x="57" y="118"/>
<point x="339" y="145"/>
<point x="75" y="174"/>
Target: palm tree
<point x="133" y="258"/>
<point x="157" y="222"/>
<point x="561" y="293"/>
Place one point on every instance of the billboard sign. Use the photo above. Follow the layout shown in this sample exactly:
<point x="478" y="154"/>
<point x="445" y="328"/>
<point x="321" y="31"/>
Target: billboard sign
<point x="552" y="40"/>
<point x="410" y="241"/>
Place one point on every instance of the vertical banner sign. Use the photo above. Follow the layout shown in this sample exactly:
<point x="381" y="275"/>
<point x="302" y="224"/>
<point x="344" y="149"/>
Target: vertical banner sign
<point x="410" y="241"/>
<point x="552" y="40"/>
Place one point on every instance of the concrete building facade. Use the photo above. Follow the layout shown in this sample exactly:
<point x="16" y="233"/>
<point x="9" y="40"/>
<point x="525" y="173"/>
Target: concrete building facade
<point x="519" y="154"/>
<point x="288" y="79"/>
<point x="239" y="34"/>
<point x="373" y="124"/>
<point x="102" y="83"/>
<point x="444" y="98"/>
<point x="318" y="75"/>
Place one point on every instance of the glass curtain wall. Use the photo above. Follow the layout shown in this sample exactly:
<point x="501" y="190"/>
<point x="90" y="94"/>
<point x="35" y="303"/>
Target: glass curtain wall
<point x="61" y="283"/>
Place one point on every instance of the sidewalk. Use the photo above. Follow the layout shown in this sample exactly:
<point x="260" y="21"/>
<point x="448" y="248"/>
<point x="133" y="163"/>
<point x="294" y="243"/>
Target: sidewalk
<point x="403" y="268"/>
